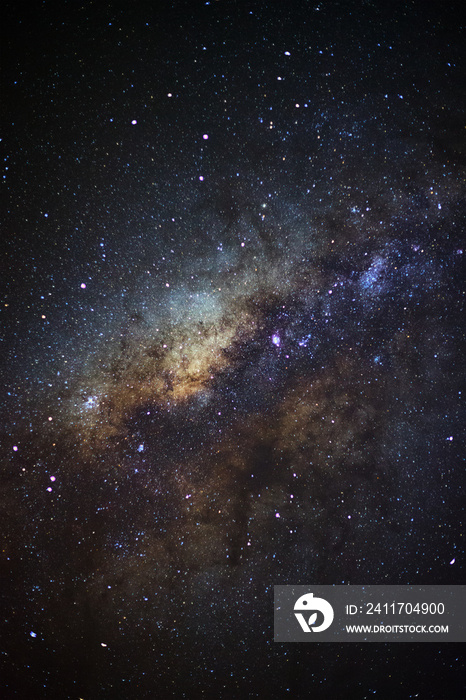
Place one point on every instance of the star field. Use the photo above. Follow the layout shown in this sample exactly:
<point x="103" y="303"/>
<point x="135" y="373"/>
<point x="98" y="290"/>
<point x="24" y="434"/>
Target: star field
<point x="233" y="340"/>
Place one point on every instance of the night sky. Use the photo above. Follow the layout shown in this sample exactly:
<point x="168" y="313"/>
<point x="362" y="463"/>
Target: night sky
<point x="232" y="340"/>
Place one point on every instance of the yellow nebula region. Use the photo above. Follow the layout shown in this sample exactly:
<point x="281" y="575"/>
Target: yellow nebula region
<point x="165" y="371"/>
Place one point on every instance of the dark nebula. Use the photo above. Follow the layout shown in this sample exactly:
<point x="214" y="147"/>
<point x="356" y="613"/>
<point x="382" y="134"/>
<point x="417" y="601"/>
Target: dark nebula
<point x="233" y="340"/>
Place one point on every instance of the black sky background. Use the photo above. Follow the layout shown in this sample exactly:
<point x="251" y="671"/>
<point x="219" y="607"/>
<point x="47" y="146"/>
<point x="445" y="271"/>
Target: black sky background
<point x="229" y="362"/>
